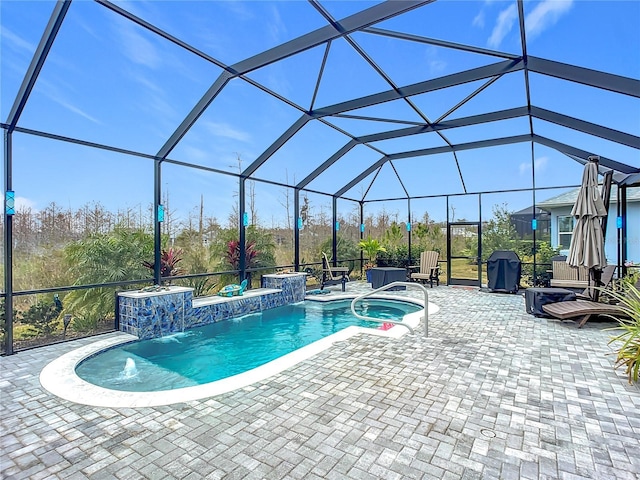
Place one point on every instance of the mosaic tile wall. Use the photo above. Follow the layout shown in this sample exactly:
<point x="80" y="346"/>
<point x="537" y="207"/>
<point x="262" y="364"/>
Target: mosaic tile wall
<point x="164" y="313"/>
<point x="293" y="286"/>
<point x="155" y="315"/>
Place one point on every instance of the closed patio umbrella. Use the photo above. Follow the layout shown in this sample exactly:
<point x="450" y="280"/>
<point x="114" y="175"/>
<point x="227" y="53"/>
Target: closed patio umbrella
<point x="587" y="242"/>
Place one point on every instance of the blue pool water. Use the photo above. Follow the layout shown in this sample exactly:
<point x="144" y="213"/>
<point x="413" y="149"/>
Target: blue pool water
<point x="206" y="354"/>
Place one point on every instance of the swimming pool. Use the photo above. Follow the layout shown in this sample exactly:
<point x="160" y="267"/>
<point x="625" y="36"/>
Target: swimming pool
<point x="223" y="349"/>
<point x="60" y="378"/>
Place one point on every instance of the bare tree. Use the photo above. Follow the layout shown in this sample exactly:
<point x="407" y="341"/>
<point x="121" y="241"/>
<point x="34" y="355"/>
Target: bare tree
<point x="285" y="201"/>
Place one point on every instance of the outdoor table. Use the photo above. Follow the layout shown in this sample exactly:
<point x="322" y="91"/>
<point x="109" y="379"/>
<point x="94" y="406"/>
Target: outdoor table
<point x="384" y="275"/>
<point x="535" y="298"/>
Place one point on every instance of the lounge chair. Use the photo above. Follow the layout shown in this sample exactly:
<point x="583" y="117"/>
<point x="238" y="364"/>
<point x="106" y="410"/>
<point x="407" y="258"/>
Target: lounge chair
<point x="333" y="275"/>
<point x="583" y="308"/>
<point x="429" y="268"/>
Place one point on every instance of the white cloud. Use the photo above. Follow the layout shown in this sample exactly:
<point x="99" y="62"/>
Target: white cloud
<point x="195" y="154"/>
<point x="435" y="64"/>
<point x="504" y="24"/>
<point x="137" y="48"/>
<point x="478" y="20"/>
<point x="225" y="130"/>
<point x="16" y="41"/>
<point x="276" y="27"/>
<point x="540" y="163"/>
<point x="56" y="95"/>
<point x="544" y="15"/>
<point x="76" y="110"/>
<point x="23" y="203"/>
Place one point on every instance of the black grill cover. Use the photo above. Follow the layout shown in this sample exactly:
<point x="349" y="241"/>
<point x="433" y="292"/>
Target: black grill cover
<point x="503" y="271"/>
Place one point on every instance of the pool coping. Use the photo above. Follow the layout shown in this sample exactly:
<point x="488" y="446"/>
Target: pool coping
<point x="59" y="376"/>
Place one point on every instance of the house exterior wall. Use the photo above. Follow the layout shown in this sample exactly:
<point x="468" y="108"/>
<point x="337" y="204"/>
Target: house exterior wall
<point x="611" y="241"/>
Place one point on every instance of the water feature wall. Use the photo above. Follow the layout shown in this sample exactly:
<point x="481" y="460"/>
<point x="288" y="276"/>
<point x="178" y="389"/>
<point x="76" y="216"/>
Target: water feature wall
<point x="155" y="312"/>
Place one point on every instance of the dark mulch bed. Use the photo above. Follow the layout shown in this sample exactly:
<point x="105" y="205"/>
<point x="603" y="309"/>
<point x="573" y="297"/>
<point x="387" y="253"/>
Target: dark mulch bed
<point x="103" y="327"/>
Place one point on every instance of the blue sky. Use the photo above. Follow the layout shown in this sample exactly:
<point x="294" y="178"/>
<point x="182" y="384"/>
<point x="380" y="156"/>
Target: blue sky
<point x="110" y="81"/>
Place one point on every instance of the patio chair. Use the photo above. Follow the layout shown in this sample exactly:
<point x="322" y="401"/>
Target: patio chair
<point x="429" y="268"/>
<point x="584" y="309"/>
<point x="333" y="275"/>
<point x="590" y="293"/>
<point x="566" y="276"/>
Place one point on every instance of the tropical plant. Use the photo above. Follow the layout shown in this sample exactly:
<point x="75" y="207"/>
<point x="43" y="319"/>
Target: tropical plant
<point x="169" y="260"/>
<point x="233" y="254"/>
<point x="371" y="247"/>
<point x="628" y="349"/>
<point x="259" y="249"/>
<point x="102" y="258"/>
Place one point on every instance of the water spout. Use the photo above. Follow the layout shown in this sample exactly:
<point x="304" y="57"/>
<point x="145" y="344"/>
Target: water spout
<point x="130" y="369"/>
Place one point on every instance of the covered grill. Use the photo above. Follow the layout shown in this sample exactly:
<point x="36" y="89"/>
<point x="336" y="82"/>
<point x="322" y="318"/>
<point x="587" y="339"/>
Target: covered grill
<point x="504" y="270"/>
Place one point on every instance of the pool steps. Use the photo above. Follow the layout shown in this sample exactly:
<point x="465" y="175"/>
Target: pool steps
<point x="399" y="321"/>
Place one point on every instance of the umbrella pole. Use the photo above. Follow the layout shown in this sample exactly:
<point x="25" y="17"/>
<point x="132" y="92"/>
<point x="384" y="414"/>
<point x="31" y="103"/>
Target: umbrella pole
<point x="597" y="282"/>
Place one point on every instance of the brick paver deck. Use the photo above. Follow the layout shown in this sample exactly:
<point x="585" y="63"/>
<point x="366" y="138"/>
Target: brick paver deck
<point x="492" y="393"/>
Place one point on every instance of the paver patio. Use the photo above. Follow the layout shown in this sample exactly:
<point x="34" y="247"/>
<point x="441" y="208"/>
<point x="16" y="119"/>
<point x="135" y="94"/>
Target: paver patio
<point x="492" y="393"/>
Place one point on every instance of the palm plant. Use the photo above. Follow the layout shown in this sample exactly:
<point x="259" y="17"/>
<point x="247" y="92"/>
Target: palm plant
<point x="102" y="258"/>
<point x="371" y="247"/>
<point x="628" y="353"/>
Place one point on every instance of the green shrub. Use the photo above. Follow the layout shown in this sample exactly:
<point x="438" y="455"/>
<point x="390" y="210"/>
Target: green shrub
<point x="84" y="323"/>
<point x="42" y="319"/>
<point x="346" y="249"/>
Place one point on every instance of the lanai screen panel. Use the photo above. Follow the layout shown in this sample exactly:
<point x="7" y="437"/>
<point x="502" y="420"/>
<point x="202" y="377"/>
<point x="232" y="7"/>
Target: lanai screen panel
<point x="591" y="144"/>
<point x="593" y="34"/>
<point x="270" y="210"/>
<point x="230" y="31"/>
<point x="553" y="168"/>
<point x="415" y="61"/>
<point x="110" y="81"/>
<point x="308" y="148"/>
<point x="503" y="167"/>
<point x="22" y="28"/>
<point x="231" y="134"/>
<point x="198" y="199"/>
<point x="386" y="185"/>
<point x="428" y="225"/>
<point x="317" y="227"/>
<point x="348" y="213"/>
<point x="347" y="167"/>
<point x="603" y="107"/>
<point x="430" y="175"/>
<point x="474" y="98"/>
<point x="346" y="76"/>
<point x="54" y="209"/>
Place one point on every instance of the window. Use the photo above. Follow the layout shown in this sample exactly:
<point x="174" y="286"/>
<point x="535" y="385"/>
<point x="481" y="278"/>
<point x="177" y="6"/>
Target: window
<point x="565" y="231"/>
